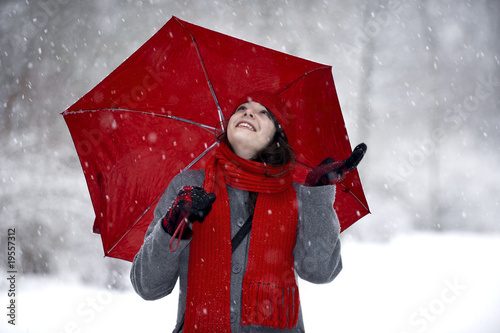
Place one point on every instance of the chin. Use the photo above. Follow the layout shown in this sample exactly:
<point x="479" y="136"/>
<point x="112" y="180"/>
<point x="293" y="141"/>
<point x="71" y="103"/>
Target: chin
<point x="239" y="137"/>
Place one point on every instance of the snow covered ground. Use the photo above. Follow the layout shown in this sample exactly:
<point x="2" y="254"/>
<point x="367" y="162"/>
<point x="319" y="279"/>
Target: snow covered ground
<point x="438" y="283"/>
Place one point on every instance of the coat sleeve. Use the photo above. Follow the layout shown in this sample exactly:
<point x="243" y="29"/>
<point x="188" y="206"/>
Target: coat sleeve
<point x="317" y="249"/>
<point x="155" y="268"/>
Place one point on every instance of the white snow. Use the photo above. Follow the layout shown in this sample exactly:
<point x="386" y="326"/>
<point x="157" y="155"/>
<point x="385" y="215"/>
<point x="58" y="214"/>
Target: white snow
<point x="435" y="283"/>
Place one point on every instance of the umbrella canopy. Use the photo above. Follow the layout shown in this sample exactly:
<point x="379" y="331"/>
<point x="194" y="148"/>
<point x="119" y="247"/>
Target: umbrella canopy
<point x="159" y="112"/>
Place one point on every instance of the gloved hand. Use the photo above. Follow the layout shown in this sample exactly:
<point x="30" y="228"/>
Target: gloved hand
<point x="330" y="172"/>
<point x="192" y="203"/>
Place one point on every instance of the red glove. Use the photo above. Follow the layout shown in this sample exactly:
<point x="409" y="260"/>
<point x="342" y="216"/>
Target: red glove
<point x="192" y="203"/>
<point x="330" y="172"/>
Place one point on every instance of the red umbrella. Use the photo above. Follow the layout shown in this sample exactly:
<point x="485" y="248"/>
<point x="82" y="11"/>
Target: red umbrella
<point x="158" y="114"/>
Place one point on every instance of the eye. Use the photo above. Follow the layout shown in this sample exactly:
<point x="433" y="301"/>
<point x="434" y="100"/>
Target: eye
<point x="242" y="107"/>
<point x="265" y="112"/>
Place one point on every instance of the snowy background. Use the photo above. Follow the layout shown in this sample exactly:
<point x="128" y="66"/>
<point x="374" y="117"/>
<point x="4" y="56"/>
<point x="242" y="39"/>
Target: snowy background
<point x="418" y="81"/>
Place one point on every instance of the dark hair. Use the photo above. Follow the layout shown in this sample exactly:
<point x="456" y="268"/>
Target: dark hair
<point x="277" y="153"/>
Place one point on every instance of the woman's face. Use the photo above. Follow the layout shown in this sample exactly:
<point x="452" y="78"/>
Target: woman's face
<point x="250" y="129"/>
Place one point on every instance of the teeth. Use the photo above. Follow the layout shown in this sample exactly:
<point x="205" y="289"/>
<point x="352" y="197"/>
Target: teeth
<point x="247" y="126"/>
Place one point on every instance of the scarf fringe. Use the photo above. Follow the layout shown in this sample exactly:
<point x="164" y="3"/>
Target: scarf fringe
<point x="270" y="305"/>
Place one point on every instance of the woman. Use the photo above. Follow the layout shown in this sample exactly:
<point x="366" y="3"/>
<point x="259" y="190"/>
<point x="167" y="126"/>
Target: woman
<point x="294" y="230"/>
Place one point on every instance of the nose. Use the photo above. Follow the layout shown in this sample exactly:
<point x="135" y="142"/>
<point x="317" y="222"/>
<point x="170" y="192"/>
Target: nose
<point x="249" y="112"/>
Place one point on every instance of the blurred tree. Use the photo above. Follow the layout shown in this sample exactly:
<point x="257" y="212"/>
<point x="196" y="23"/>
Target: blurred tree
<point x="434" y="113"/>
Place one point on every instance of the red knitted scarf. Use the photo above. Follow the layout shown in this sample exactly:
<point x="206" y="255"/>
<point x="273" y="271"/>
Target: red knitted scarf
<point x="270" y="294"/>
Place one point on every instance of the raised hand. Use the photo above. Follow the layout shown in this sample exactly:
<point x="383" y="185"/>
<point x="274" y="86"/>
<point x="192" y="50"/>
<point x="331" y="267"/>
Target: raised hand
<point x="330" y="172"/>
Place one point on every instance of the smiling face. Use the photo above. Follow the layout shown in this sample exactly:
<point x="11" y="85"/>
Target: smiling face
<point x="250" y="129"/>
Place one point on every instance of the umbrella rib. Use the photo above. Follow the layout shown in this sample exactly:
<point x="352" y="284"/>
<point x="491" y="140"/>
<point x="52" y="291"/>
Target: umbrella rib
<point x="199" y="157"/>
<point x="202" y="63"/>
<point x="206" y="127"/>
<point x="159" y="196"/>
<point x="355" y="197"/>
<point x="345" y="189"/>
<point x="293" y="82"/>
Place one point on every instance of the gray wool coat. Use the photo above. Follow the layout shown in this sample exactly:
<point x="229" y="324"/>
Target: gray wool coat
<point x="156" y="269"/>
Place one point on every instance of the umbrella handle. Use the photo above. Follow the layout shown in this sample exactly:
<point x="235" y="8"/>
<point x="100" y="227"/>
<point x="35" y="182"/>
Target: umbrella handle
<point x="179" y="231"/>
